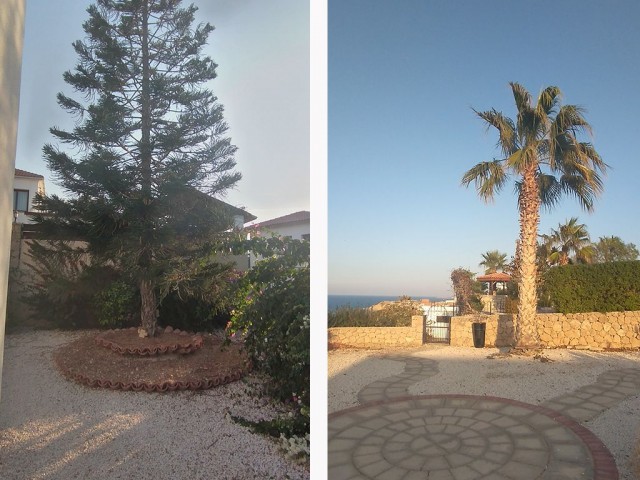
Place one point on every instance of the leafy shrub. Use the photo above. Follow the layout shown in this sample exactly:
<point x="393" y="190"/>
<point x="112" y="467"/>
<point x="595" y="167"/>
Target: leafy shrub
<point x="115" y="305"/>
<point x="605" y="287"/>
<point x="64" y="283"/>
<point x="191" y="313"/>
<point x="467" y="290"/>
<point x="272" y="315"/>
<point x="397" y="314"/>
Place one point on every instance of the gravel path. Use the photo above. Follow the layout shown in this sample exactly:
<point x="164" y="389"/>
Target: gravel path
<point x="51" y="428"/>
<point x="469" y="371"/>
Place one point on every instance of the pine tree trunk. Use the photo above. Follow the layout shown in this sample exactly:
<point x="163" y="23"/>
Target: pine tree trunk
<point x="526" y="327"/>
<point x="148" y="307"/>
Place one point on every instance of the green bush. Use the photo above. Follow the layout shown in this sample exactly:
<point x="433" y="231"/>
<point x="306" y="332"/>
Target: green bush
<point x="604" y="287"/>
<point x="115" y="305"/>
<point x="192" y="314"/>
<point x="393" y="315"/>
<point x="64" y="283"/>
<point x="272" y="315"/>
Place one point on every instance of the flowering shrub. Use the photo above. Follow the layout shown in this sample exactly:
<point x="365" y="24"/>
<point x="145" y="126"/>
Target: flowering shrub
<point x="272" y="315"/>
<point x="295" y="447"/>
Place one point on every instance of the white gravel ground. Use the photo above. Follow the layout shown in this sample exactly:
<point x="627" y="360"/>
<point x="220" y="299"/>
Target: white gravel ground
<point x="469" y="371"/>
<point x="51" y="428"/>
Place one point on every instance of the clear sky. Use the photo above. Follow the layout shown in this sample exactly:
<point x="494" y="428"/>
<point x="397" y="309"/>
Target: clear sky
<point x="403" y="77"/>
<point x="262" y="49"/>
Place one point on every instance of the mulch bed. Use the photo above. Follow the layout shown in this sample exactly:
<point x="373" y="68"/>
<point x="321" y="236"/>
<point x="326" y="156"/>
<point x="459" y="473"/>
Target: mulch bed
<point x="128" y="342"/>
<point x="97" y="366"/>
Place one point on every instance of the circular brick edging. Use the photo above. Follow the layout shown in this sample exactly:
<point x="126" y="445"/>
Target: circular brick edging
<point x="167" y="386"/>
<point x="180" y="347"/>
<point x="604" y="466"/>
<point x="74" y="370"/>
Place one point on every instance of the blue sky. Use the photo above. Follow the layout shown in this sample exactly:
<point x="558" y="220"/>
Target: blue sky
<point x="262" y="49"/>
<point x="402" y="79"/>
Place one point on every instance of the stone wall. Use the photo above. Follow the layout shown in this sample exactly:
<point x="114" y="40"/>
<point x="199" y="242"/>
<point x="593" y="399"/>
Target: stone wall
<point x="593" y="331"/>
<point x="378" y="337"/>
<point x="499" y="330"/>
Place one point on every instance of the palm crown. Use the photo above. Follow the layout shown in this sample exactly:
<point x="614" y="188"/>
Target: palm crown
<point x="543" y="135"/>
<point x="493" y="261"/>
<point x="570" y="238"/>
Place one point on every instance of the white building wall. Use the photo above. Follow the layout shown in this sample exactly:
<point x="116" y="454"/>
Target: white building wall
<point x="11" y="36"/>
<point x="295" y="231"/>
<point x="33" y="185"/>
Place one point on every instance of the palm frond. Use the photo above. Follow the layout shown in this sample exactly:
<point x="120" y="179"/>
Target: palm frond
<point x="504" y="125"/>
<point x="550" y="191"/>
<point x="583" y="191"/>
<point x="548" y="100"/>
<point x="488" y="178"/>
<point x="521" y="96"/>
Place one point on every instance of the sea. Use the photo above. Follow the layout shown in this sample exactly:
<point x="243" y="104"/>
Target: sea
<point x="362" y="301"/>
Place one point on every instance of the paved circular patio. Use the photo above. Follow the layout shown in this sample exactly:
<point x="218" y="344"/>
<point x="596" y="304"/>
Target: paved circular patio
<point x="462" y="437"/>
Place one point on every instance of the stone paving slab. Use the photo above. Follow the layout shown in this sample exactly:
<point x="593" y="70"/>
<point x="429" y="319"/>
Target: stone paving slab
<point x="587" y="402"/>
<point x="416" y="369"/>
<point x="454" y="438"/>
<point x="396" y="436"/>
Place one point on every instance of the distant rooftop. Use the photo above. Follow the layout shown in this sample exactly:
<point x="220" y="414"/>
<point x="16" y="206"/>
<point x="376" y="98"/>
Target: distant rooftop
<point x="24" y="173"/>
<point x="291" y="218"/>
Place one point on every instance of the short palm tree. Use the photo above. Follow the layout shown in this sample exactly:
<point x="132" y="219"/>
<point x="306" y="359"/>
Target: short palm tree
<point x="540" y="148"/>
<point x="493" y="261"/>
<point x="571" y="238"/>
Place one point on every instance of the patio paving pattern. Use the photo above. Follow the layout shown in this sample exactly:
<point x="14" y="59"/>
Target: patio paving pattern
<point x="396" y="436"/>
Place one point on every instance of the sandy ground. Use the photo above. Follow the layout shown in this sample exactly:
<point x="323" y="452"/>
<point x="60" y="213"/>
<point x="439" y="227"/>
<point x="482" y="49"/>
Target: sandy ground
<point x="469" y="371"/>
<point x="51" y="428"/>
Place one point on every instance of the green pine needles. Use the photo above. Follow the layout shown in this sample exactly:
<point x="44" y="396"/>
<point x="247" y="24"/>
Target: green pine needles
<point x="148" y="148"/>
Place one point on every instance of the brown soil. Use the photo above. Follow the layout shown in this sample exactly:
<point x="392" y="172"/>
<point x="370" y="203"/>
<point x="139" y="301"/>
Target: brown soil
<point x="128" y="342"/>
<point x="84" y="361"/>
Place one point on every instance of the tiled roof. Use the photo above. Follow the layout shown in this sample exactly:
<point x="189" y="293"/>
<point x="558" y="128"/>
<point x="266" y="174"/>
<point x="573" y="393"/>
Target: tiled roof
<point x="24" y="173"/>
<point x="494" y="277"/>
<point x="291" y="218"/>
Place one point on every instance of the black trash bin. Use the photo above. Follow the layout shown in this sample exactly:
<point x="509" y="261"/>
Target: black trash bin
<point x="478" y="334"/>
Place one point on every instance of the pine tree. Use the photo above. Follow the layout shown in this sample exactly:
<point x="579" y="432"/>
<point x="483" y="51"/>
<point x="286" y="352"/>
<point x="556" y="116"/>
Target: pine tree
<point x="148" y="149"/>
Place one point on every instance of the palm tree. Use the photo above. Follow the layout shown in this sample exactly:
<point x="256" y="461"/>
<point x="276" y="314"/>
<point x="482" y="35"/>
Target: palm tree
<point x="541" y="150"/>
<point x="570" y="238"/>
<point x="613" y="249"/>
<point x="493" y="261"/>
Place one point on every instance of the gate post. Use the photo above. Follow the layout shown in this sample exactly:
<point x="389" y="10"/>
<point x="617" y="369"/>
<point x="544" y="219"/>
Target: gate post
<point x="417" y="324"/>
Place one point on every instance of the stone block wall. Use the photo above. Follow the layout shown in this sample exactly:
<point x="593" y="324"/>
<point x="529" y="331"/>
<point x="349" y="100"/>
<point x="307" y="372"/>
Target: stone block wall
<point x="377" y="337"/>
<point x="499" y="330"/>
<point x="592" y="331"/>
<point x="616" y="330"/>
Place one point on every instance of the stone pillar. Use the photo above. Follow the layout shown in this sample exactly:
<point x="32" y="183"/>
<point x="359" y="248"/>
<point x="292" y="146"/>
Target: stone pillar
<point x="11" y="35"/>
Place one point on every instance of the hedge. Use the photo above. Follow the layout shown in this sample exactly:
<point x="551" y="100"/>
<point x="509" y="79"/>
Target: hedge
<point x="602" y="287"/>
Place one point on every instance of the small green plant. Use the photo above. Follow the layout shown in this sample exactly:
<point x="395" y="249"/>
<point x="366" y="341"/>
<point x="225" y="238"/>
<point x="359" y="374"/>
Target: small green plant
<point x="115" y="305"/>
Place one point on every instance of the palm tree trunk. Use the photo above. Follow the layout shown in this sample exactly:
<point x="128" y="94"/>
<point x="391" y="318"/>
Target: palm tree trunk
<point x="529" y="205"/>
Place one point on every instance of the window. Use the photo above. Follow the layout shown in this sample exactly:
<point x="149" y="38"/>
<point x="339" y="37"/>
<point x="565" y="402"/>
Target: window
<point x="21" y="200"/>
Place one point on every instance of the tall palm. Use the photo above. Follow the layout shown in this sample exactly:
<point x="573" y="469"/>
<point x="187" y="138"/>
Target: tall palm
<point x="541" y="150"/>
<point x="571" y="238"/>
<point x="493" y="261"/>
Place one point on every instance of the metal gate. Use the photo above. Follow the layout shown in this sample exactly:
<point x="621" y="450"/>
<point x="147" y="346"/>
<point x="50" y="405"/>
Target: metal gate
<point x="438" y="330"/>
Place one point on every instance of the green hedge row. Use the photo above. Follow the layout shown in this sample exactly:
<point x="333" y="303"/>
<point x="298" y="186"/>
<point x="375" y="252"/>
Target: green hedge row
<point x="394" y="315"/>
<point x="601" y="287"/>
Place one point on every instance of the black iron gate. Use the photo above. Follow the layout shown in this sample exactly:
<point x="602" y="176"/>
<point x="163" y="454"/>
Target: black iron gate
<point x="436" y="331"/>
